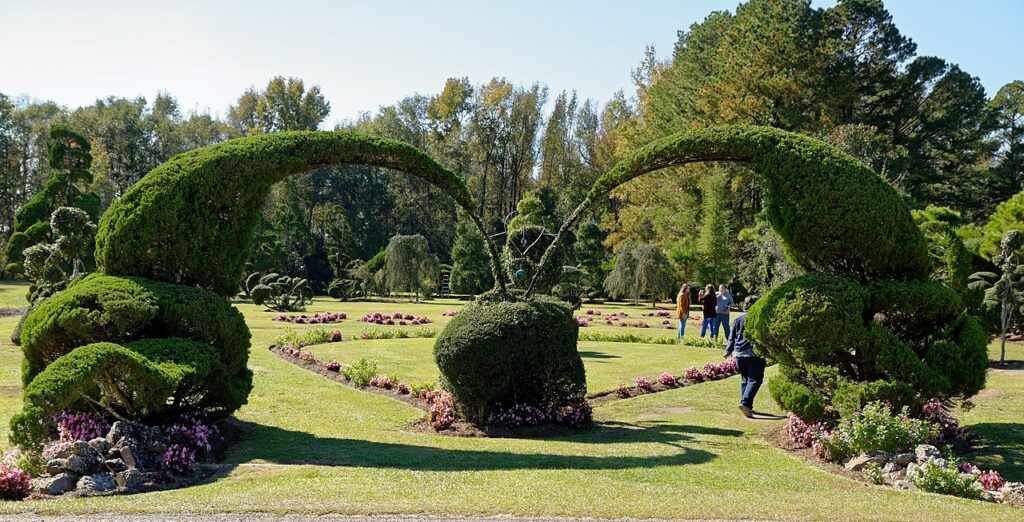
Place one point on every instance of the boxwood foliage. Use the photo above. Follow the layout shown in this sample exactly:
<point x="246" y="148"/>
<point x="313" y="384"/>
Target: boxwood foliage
<point x="844" y="344"/>
<point x="865" y="323"/>
<point x="189" y="351"/>
<point x="499" y="353"/>
<point x="191" y="220"/>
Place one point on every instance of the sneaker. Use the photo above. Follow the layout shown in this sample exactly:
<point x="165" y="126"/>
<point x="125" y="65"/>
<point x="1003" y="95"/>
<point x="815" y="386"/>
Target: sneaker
<point x="747" y="412"/>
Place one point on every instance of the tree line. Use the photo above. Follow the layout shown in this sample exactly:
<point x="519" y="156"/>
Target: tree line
<point x="845" y="74"/>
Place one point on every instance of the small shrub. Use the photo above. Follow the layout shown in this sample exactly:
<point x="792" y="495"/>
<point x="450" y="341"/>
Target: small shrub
<point x="643" y="384"/>
<point x="945" y="480"/>
<point x="403" y="389"/>
<point x="667" y="379"/>
<point x="333" y="366"/>
<point x="360" y="373"/>
<point x="398" y="334"/>
<point x="14" y="481"/>
<point x="991" y="480"/>
<point x="381" y="381"/>
<point x="420" y="389"/>
<point x="442" y="409"/>
<point x="179" y="459"/>
<point x="336" y="336"/>
<point x="693" y="374"/>
<point x="801" y="432"/>
<point x="622" y="391"/>
<point x="875" y="428"/>
<point x="873" y="473"/>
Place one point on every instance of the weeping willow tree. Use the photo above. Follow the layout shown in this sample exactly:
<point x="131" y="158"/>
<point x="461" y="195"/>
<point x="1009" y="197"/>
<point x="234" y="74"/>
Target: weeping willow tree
<point x="410" y="266"/>
<point x="641" y="270"/>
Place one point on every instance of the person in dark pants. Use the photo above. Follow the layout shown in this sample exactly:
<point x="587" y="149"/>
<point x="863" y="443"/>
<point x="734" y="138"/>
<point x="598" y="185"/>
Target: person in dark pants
<point x="749" y="364"/>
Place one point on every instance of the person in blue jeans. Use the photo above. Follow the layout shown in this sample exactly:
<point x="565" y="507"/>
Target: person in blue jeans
<point x="750" y="365"/>
<point x="709" y="303"/>
<point x="725" y="302"/>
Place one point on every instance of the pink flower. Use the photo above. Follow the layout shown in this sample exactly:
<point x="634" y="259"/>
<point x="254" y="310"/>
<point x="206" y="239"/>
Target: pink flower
<point x="991" y="480"/>
<point x="403" y="388"/>
<point x="622" y="391"/>
<point x="667" y="379"/>
<point x="693" y="374"/>
<point x="336" y="336"/>
<point x="643" y="384"/>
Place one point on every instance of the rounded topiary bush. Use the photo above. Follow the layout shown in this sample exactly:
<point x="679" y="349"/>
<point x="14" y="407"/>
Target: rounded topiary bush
<point x="495" y="355"/>
<point x="188" y="350"/>
<point x="843" y="344"/>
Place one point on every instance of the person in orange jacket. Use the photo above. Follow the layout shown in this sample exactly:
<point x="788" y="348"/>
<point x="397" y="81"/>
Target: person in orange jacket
<point x="682" y="309"/>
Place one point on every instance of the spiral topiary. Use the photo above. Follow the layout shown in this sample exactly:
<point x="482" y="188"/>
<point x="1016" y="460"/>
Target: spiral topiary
<point x="152" y="333"/>
<point x="865" y="323"/>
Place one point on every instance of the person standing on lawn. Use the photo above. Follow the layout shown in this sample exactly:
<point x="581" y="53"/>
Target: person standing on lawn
<point x="750" y="365"/>
<point x="709" y="302"/>
<point x="682" y="309"/>
<point x="725" y="302"/>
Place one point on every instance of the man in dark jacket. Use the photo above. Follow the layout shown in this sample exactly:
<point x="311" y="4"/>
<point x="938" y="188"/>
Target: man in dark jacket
<point x="749" y="364"/>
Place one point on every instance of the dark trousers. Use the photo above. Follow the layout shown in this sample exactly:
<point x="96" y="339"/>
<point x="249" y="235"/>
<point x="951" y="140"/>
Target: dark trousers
<point x="752" y="373"/>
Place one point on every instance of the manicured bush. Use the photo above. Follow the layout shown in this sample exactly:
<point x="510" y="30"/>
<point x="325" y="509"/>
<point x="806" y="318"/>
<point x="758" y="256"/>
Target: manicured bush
<point x="844" y="344"/>
<point x="141" y="348"/>
<point x="494" y="355"/>
<point x="123" y="309"/>
<point x="523" y="249"/>
<point x="209" y="201"/>
<point x="279" y="292"/>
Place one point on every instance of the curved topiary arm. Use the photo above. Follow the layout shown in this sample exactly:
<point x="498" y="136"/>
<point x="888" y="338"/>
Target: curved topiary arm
<point x="832" y="212"/>
<point x="191" y="220"/>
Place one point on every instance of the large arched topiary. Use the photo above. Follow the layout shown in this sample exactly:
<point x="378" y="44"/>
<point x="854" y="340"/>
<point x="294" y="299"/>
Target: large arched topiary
<point x="865" y="324"/>
<point x="151" y="335"/>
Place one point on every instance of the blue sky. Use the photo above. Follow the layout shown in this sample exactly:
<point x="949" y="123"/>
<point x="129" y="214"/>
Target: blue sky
<point x="370" y="53"/>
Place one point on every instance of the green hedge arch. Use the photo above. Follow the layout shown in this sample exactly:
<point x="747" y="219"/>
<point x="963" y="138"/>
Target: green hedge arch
<point x="865" y="323"/>
<point x="152" y="333"/>
<point x="190" y="220"/>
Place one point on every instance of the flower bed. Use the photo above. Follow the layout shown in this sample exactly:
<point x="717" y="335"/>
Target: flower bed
<point x="89" y="455"/>
<point x="319" y="318"/>
<point x="395" y="319"/>
<point x="898" y="450"/>
<point x="668" y="381"/>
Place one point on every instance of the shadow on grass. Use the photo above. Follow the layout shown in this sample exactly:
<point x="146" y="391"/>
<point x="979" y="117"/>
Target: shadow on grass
<point x="598" y="355"/>
<point x="282" y="446"/>
<point x="999" y="446"/>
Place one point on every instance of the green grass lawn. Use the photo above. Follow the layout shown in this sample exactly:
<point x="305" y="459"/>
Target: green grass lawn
<point x="12" y="294"/>
<point x="315" y="446"/>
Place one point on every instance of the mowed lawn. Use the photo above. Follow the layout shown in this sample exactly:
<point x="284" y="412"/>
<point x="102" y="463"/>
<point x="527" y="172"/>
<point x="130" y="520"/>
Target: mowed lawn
<point x="314" y="446"/>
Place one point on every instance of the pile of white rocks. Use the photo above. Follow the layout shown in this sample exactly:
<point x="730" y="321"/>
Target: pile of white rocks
<point x="126" y="460"/>
<point x="899" y="468"/>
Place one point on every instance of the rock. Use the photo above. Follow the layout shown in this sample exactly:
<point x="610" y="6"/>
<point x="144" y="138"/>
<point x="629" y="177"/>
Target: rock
<point x="1013" y="493"/>
<point x="131" y="480"/>
<point x="116" y="432"/>
<point x="991" y="496"/>
<point x="912" y="468"/>
<point x="100" y="445"/>
<point x="82" y="448"/>
<point x="940" y="462"/>
<point x="903" y="459"/>
<point x="892" y="466"/>
<point x="128" y="457"/>
<point x="115" y="465"/>
<point x="926" y="452"/>
<point x="898" y="474"/>
<point x="81" y="465"/>
<point x="56" y="485"/>
<point x="903" y="484"/>
<point x="98" y="482"/>
<point x="56" y="466"/>
<point x="857" y="463"/>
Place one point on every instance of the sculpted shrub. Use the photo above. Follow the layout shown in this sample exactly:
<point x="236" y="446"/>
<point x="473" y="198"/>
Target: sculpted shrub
<point x="495" y="355"/>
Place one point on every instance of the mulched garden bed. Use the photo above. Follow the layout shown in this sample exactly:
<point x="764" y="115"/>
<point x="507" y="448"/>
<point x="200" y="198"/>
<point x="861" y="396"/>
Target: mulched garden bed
<point x="462" y="428"/>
